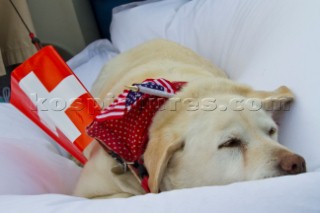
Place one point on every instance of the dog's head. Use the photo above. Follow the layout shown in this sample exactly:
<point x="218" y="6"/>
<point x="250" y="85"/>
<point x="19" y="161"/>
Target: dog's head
<point x="214" y="138"/>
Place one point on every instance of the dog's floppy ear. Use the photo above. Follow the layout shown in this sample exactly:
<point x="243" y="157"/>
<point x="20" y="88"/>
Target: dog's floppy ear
<point x="275" y="101"/>
<point x="156" y="157"/>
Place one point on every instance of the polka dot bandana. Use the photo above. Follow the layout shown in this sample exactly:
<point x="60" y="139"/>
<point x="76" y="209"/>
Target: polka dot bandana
<point x="123" y="126"/>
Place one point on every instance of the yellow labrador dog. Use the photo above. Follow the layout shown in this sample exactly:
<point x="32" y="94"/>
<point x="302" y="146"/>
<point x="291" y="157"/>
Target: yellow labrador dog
<point x="213" y="131"/>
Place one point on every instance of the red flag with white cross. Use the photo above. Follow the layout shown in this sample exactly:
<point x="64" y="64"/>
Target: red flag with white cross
<point x="45" y="89"/>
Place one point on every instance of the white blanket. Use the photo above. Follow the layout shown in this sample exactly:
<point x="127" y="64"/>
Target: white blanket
<point x="285" y="194"/>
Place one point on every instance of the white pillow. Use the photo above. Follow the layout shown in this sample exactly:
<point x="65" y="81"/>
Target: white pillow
<point x="146" y="21"/>
<point x="264" y="43"/>
<point x="88" y="63"/>
<point x="30" y="162"/>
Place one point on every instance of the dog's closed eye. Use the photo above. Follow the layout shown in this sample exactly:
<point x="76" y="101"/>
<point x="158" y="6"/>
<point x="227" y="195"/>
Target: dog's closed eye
<point x="272" y="131"/>
<point x="231" y="143"/>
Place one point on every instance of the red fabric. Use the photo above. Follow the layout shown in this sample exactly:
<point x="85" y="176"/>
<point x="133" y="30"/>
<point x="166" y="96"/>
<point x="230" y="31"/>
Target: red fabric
<point x="127" y="132"/>
<point x="144" y="184"/>
<point x="51" y="71"/>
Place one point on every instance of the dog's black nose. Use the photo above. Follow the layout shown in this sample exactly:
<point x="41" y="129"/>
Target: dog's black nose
<point x="293" y="164"/>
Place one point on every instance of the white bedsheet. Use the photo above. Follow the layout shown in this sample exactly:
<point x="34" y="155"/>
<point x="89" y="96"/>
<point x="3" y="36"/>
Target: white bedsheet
<point x="34" y="176"/>
<point x="30" y="162"/>
<point x="286" y="194"/>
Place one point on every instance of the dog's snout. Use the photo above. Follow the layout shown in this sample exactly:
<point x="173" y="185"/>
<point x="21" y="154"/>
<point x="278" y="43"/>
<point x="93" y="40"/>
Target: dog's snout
<point x="293" y="164"/>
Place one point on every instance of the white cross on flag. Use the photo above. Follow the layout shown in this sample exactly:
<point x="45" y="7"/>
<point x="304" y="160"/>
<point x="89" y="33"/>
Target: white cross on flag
<point x="45" y="89"/>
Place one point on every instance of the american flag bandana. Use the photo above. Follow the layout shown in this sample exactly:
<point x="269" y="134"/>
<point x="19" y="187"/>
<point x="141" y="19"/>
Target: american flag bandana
<point x="123" y="126"/>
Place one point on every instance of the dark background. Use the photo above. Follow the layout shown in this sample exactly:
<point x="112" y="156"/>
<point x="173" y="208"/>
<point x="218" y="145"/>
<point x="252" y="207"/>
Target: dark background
<point x="102" y="10"/>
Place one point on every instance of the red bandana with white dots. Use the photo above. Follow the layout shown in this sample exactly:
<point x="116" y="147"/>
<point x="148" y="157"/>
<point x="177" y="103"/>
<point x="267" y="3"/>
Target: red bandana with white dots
<point x="124" y="130"/>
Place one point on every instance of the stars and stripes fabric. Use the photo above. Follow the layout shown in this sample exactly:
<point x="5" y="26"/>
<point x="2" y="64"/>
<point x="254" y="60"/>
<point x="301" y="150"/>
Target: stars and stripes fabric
<point x="123" y="103"/>
<point x="123" y="126"/>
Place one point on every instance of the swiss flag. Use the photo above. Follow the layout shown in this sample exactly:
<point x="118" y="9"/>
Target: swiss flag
<point x="45" y="89"/>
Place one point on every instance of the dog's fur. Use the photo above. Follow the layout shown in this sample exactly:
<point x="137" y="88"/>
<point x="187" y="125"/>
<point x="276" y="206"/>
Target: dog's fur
<point x="196" y="141"/>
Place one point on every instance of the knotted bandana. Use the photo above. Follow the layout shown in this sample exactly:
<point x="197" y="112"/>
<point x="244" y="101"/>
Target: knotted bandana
<point x="123" y="126"/>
